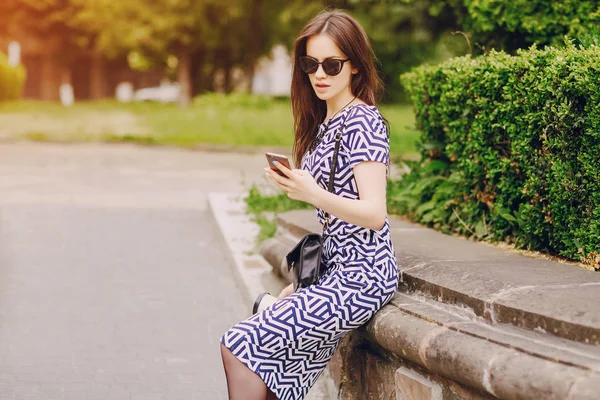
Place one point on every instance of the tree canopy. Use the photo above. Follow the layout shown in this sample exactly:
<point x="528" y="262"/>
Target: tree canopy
<point x="203" y="36"/>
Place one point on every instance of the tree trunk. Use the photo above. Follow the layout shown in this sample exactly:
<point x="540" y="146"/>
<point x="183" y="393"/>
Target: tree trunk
<point x="50" y="78"/>
<point x="249" y="73"/>
<point x="255" y="38"/>
<point x="98" y="86"/>
<point x="197" y="65"/>
<point x="184" y="77"/>
<point x="206" y="72"/>
<point x="227" y="78"/>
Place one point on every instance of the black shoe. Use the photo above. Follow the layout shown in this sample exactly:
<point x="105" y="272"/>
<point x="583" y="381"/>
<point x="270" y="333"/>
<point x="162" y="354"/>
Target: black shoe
<point x="258" y="300"/>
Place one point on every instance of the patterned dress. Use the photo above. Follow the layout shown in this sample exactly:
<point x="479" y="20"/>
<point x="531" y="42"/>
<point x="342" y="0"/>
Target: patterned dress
<point x="289" y="344"/>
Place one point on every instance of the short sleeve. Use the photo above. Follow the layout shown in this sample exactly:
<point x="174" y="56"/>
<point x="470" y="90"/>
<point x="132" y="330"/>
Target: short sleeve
<point x="366" y="136"/>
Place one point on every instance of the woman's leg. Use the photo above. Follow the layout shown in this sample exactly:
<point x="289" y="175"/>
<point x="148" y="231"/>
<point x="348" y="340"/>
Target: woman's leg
<point x="242" y="382"/>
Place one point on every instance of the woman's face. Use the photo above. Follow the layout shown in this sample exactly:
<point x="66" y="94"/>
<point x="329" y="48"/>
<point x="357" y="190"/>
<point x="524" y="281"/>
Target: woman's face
<point x="325" y="86"/>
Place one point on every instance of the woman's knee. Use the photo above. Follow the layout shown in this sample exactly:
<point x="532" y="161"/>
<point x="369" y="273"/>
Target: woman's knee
<point x="230" y="361"/>
<point x="226" y="354"/>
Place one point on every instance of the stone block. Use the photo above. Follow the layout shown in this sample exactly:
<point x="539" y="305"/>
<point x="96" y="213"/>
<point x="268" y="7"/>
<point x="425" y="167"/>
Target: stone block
<point x="411" y="385"/>
<point x="335" y="370"/>
<point x="272" y="251"/>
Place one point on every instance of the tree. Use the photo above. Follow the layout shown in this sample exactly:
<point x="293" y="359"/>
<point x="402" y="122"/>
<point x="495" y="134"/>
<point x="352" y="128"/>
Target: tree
<point x="515" y="24"/>
<point x="46" y="23"/>
<point x="48" y="20"/>
<point x="160" y="29"/>
<point x="404" y="33"/>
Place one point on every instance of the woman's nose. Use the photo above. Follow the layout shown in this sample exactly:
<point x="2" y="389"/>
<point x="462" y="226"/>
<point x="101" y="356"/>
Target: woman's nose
<point x="320" y="72"/>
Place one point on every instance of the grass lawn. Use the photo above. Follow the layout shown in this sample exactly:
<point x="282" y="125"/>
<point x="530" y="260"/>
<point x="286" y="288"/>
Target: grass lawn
<point x="212" y="119"/>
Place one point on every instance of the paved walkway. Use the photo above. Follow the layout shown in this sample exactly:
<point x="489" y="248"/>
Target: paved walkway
<point x="111" y="286"/>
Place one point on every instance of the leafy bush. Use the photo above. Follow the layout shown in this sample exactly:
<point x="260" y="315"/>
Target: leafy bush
<point x="11" y="79"/>
<point x="510" y="149"/>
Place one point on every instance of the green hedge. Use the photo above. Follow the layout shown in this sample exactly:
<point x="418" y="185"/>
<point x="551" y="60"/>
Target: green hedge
<point x="11" y="79"/>
<point x="510" y="150"/>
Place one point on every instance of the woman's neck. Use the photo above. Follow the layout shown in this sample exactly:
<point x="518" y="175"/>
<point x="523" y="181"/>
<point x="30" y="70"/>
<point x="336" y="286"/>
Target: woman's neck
<point x="341" y="100"/>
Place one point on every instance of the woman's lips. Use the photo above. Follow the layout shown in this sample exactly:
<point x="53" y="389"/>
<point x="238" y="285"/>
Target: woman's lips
<point x="321" y="86"/>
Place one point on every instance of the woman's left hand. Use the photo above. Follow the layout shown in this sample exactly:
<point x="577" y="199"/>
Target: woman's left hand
<point x="297" y="183"/>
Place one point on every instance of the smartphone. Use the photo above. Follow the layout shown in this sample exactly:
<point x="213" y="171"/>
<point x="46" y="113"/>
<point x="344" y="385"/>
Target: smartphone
<point x="279" y="158"/>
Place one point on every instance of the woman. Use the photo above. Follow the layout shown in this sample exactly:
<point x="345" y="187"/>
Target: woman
<point x="280" y="352"/>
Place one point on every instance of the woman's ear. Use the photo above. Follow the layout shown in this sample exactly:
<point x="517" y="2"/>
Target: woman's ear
<point x="354" y="71"/>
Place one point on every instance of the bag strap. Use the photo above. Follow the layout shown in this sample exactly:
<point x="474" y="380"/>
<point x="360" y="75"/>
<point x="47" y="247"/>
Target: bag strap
<point x="334" y="160"/>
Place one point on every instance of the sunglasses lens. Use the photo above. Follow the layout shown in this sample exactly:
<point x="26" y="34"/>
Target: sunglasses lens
<point x="308" y="65"/>
<point x="332" y="67"/>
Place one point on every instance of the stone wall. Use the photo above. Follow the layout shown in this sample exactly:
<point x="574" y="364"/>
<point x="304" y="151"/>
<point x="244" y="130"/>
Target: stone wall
<point x="469" y="321"/>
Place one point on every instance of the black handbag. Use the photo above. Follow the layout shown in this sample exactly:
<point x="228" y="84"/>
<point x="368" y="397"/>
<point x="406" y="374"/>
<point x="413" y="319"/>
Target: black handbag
<point x="304" y="260"/>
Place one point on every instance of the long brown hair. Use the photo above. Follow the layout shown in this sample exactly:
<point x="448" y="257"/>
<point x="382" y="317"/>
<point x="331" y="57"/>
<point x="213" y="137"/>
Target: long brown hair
<point x="308" y="110"/>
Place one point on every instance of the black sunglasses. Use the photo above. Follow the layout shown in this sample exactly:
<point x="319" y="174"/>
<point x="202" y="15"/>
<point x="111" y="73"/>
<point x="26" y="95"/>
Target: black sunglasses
<point x="331" y="66"/>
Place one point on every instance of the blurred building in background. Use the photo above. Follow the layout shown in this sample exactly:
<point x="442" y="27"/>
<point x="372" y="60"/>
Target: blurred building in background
<point x="273" y="75"/>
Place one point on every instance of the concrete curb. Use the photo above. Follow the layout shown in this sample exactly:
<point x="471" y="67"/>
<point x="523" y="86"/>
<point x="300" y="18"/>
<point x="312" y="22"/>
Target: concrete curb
<point x="237" y="232"/>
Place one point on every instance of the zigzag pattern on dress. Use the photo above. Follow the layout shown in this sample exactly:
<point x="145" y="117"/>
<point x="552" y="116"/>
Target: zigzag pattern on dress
<point x="365" y="138"/>
<point x="290" y="343"/>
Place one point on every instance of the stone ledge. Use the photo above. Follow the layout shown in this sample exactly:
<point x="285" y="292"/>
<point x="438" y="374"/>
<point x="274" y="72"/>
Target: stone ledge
<point x="498" y="285"/>
<point x="478" y="315"/>
<point x="490" y="364"/>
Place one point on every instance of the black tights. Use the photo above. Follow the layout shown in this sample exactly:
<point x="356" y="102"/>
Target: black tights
<point x="242" y="382"/>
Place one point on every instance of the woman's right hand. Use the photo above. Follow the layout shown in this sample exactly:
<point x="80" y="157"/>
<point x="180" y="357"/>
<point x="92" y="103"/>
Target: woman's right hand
<point x="286" y="291"/>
